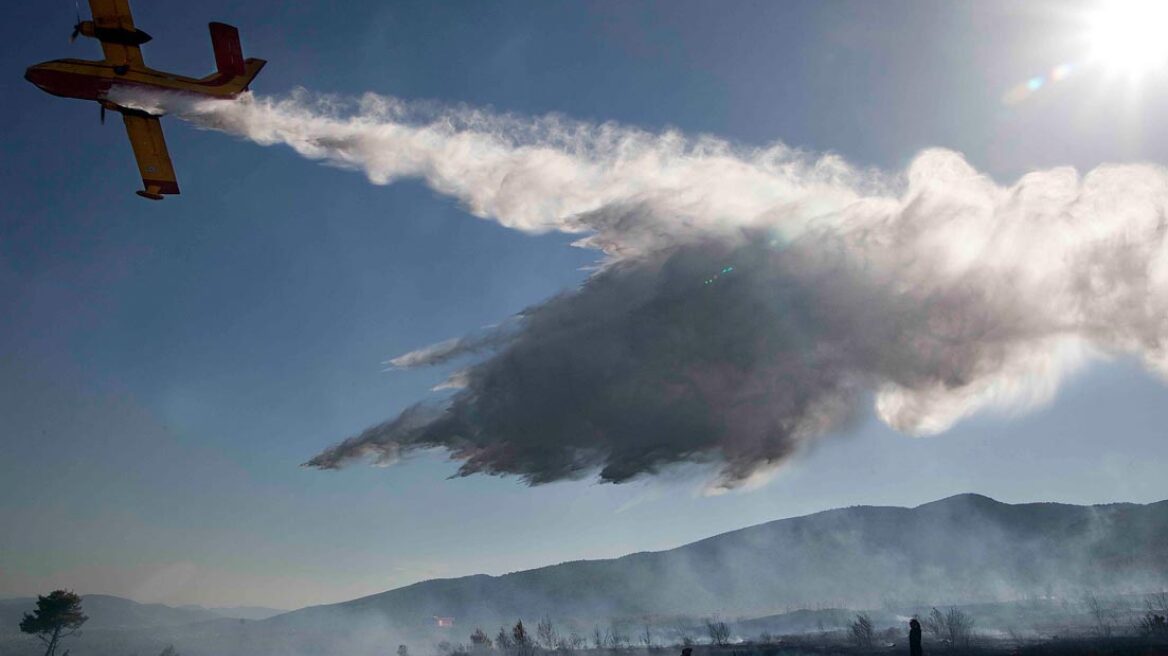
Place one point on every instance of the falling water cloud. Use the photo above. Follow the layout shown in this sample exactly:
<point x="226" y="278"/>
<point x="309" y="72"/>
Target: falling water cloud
<point x="749" y="300"/>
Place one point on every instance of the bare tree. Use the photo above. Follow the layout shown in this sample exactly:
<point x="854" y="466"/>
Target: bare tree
<point x="862" y="632"/>
<point x="684" y="633"/>
<point x="576" y="641"/>
<point x="545" y="631"/>
<point x="1152" y="625"/>
<point x="599" y="639"/>
<point x="953" y="626"/>
<point x="1102" y="615"/>
<point x="617" y="638"/>
<point x="1015" y="636"/>
<point x="719" y="632"/>
<point x="1154" y="622"/>
<point x="935" y="624"/>
<point x="647" y="636"/>
<point x="402" y="650"/>
<point x="1158" y="602"/>
<point x="959" y="625"/>
<point x="565" y="644"/>
<point x="502" y="639"/>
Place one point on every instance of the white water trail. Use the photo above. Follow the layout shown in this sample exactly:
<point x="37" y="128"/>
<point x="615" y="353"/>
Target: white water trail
<point x="936" y="290"/>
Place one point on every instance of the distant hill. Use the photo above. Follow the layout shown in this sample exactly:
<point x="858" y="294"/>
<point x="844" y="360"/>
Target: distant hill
<point x="121" y="626"/>
<point x="960" y="549"/>
<point x="241" y="612"/>
<point x="108" y="612"/>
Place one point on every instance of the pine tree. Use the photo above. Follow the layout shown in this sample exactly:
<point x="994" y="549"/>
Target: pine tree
<point x="56" y="617"/>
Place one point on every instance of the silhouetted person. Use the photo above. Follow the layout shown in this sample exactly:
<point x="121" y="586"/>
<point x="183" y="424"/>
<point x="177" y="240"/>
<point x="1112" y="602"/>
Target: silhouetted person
<point x="914" y="637"/>
<point x="688" y="651"/>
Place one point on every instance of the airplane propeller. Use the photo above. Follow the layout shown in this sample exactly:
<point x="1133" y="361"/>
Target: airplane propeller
<point x="77" y="25"/>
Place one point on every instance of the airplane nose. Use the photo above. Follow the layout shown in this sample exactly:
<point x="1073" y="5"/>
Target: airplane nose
<point x="52" y="77"/>
<point x="35" y="75"/>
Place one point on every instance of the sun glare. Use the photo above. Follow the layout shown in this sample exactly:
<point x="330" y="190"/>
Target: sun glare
<point x="1130" y="36"/>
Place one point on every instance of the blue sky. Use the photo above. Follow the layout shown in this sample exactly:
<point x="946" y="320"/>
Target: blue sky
<point x="165" y="367"/>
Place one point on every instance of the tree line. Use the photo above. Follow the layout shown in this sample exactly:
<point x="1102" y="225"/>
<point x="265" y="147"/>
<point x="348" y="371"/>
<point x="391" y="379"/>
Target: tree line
<point x="520" y="640"/>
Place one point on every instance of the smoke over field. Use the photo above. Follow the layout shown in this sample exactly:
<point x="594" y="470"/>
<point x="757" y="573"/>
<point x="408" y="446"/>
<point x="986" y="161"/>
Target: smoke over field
<point x="1022" y="573"/>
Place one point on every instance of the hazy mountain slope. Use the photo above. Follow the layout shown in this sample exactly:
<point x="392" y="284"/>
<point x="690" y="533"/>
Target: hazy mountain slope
<point x="964" y="548"/>
<point x="120" y="626"/>
<point x="240" y="612"/>
<point x="108" y="612"/>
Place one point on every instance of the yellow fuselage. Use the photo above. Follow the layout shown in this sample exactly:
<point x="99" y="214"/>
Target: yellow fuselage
<point x="93" y="80"/>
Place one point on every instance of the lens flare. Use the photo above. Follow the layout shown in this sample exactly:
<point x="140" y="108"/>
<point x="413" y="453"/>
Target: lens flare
<point x="1024" y="90"/>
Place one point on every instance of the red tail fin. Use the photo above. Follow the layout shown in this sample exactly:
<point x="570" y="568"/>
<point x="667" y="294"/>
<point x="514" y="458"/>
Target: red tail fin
<point x="228" y="53"/>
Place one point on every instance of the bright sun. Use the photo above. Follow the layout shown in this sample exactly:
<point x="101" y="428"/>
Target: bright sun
<point x="1130" y="36"/>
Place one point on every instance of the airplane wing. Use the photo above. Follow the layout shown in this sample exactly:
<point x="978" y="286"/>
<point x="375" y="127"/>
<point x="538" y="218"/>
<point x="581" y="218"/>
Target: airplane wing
<point x="115" y="15"/>
<point x="145" y="133"/>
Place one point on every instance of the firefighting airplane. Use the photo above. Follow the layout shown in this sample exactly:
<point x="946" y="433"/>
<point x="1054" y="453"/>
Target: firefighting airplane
<point x="123" y="68"/>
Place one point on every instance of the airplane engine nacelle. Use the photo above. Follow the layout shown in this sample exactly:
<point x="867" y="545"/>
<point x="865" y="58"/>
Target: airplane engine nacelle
<point x="113" y="34"/>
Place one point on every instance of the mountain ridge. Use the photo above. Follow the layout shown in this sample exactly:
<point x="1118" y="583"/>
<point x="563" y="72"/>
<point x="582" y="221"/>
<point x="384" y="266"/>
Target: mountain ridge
<point x="963" y="549"/>
<point x="814" y="549"/>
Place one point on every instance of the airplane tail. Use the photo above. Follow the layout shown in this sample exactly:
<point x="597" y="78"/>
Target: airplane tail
<point x="234" y="73"/>
<point x="228" y="52"/>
